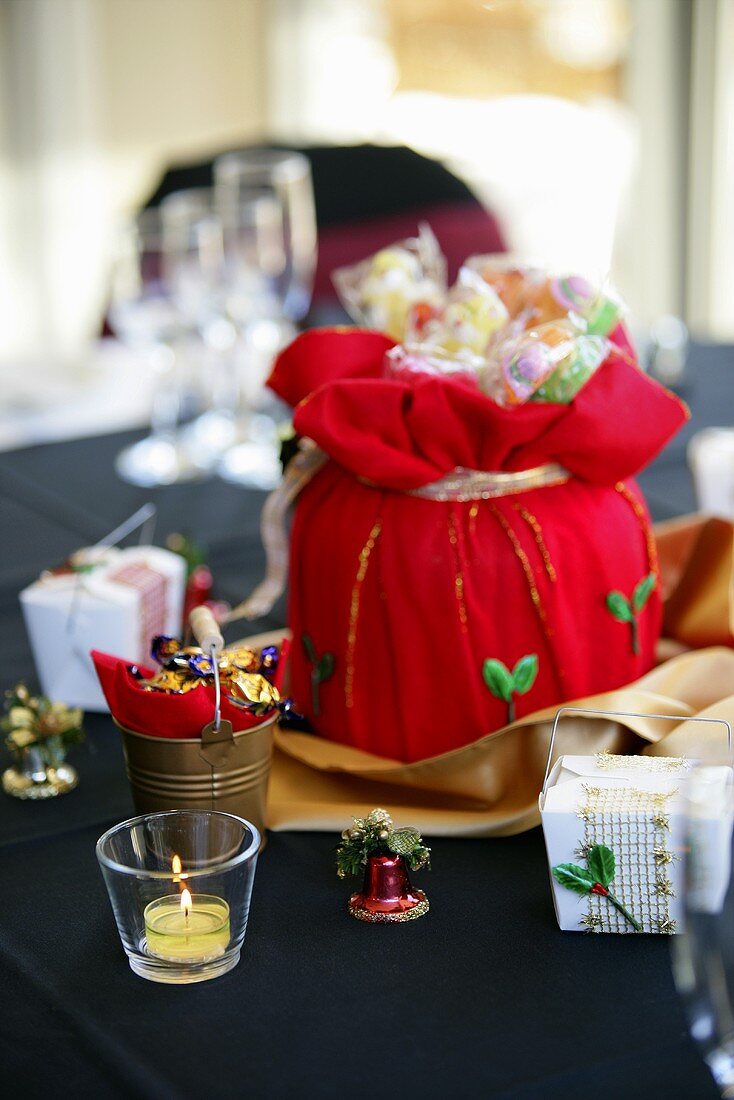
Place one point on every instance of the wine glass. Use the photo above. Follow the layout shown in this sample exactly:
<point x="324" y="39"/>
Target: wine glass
<point x="278" y="183"/>
<point x="143" y="316"/>
<point x="220" y="259"/>
<point x="703" y="956"/>
<point x="284" y="179"/>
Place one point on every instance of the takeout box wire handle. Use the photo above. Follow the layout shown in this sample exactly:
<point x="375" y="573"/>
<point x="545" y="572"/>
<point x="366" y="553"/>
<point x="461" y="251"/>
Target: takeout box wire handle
<point x="625" y="714"/>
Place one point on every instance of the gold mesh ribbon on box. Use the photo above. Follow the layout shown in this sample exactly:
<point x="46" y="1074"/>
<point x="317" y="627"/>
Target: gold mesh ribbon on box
<point x="635" y="824"/>
<point x="609" y="761"/>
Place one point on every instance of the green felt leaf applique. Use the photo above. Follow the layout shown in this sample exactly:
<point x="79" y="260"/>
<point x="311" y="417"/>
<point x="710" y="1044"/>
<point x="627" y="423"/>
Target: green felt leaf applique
<point x="574" y="877"/>
<point x="505" y="684"/>
<point x="643" y="591"/>
<point x="620" y="607"/>
<point x="628" y="611"/>
<point x="322" y="669"/>
<point x="524" y="673"/>
<point x="325" y="667"/>
<point x="498" y="678"/>
<point x="601" y="863"/>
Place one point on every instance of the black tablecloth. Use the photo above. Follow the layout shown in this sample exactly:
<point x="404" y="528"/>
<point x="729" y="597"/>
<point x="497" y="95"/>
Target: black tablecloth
<point x="484" y="997"/>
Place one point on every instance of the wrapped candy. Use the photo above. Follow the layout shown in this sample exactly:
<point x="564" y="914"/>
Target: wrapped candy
<point x="382" y="291"/>
<point x="514" y="282"/>
<point x="473" y="313"/>
<point x="572" y="296"/>
<point x="574" y="371"/>
<point x="177" y="701"/>
<point x="536" y="297"/>
<point x="244" y="674"/>
<point x="506" y="327"/>
<point x="529" y="360"/>
<point x="405" y="362"/>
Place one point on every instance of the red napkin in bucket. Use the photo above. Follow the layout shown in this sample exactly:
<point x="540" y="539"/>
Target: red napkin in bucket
<point x="158" y="714"/>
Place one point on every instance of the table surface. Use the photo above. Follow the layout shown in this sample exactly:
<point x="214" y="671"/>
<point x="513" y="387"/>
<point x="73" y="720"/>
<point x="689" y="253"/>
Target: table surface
<point x="484" y="997"/>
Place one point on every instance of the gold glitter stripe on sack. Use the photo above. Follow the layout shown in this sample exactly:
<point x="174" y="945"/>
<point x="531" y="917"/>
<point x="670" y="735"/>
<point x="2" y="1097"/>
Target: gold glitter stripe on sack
<point x="364" y="560"/>
<point x="644" y="525"/>
<point x="526" y="566"/>
<point x="537" y="530"/>
<point x="458" y="574"/>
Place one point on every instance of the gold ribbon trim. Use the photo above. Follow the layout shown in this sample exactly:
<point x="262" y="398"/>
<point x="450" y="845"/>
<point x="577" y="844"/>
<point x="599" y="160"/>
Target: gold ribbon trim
<point x="463" y="484"/>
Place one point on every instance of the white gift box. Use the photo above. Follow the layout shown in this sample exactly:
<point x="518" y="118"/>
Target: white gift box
<point x="635" y="805"/>
<point x="116" y="607"/>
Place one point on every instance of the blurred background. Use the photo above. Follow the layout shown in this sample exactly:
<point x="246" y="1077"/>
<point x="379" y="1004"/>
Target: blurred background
<point x="596" y="135"/>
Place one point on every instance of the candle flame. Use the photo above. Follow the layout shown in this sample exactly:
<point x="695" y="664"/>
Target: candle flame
<point x="185" y="902"/>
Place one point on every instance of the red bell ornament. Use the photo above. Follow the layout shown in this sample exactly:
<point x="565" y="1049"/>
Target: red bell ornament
<point x="386" y="853"/>
<point x="387" y="894"/>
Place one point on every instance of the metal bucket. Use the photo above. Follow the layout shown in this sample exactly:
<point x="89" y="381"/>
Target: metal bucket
<point x="221" y="770"/>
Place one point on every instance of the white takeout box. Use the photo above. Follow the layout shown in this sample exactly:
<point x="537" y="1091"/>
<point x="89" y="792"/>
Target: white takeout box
<point x="632" y="792"/>
<point x="132" y="595"/>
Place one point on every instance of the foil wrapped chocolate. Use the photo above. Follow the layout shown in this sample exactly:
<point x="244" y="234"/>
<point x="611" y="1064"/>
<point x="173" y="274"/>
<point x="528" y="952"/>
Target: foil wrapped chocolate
<point x="243" y="672"/>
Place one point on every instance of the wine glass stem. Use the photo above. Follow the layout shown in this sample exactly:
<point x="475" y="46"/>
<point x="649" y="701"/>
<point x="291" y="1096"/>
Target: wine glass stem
<point x="226" y="396"/>
<point x="166" y="406"/>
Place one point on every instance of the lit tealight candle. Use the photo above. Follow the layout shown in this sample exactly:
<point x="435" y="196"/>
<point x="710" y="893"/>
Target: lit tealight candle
<point x="187" y="927"/>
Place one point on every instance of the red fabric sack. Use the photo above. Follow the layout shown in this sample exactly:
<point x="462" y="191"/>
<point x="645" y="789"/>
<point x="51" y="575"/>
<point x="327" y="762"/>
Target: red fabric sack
<point x="409" y="596"/>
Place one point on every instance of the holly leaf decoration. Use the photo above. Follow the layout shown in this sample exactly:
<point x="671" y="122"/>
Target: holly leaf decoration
<point x="498" y="679"/>
<point x="574" y="877"/>
<point x="643" y="591"/>
<point x="309" y="648"/>
<point x="376" y="834"/>
<point x="403" y="841"/>
<point x="324" y="667"/>
<point x="601" y="863"/>
<point x="596" y="879"/>
<point x="420" y="858"/>
<point x="524" y="673"/>
<point x="620" y="607"/>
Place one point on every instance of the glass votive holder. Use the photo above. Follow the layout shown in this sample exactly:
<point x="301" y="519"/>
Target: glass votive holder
<point x="180" y="884"/>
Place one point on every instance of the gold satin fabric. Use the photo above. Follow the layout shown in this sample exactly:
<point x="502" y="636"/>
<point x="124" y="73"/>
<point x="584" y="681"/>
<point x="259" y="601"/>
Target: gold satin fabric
<point x="490" y="788"/>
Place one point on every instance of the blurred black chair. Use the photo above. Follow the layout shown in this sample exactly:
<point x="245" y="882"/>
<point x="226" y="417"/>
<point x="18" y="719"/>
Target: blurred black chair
<point x="368" y="196"/>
